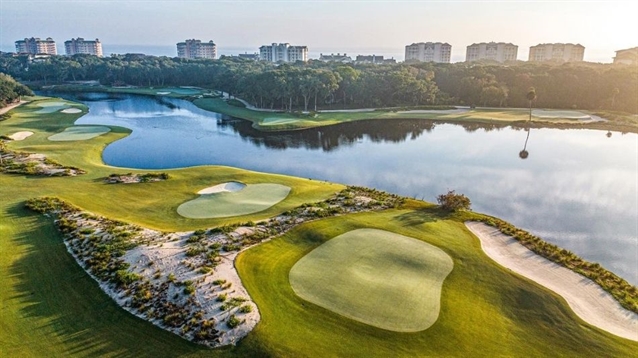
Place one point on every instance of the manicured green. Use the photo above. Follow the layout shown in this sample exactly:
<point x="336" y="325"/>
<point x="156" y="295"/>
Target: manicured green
<point x="376" y="277"/>
<point x="52" y="308"/>
<point x="79" y="133"/>
<point x="50" y="107"/>
<point x="251" y="199"/>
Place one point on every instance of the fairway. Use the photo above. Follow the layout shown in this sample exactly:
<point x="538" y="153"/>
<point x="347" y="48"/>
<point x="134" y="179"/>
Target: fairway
<point x="251" y="199"/>
<point x="376" y="277"/>
<point x="79" y="133"/>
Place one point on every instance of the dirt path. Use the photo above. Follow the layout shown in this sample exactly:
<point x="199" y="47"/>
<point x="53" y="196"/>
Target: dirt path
<point x="11" y="106"/>
<point x="588" y="300"/>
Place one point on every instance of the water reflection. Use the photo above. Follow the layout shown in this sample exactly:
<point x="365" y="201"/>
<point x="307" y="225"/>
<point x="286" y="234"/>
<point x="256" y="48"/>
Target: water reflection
<point x="523" y="154"/>
<point x="578" y="190"/>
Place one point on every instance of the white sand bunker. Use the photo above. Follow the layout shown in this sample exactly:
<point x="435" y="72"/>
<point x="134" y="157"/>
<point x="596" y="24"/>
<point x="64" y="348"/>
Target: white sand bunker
<point x="571" y="115"/>
<point x="163" y="93"/>
<point x="21" y="135"/>
<point x="71" y="110"/>
<point x="231" y="186"/>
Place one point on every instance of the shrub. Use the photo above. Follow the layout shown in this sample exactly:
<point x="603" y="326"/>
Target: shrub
<point x="246" y="309"/>
<point x="453" y="202"/>
<point x="233" y="322"/>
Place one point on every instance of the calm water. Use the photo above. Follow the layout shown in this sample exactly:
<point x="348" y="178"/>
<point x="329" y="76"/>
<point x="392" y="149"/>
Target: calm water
<point x="577" y="188"/>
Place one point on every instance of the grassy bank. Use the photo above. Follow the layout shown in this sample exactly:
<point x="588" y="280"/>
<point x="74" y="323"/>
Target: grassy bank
<point x="50" y="306"/>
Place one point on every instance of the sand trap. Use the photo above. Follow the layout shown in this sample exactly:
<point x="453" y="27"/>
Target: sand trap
<point x="50" y="107"/>
<point x="232" y="186"/>
<point x="588" y="300"/>
<point x="377" y="277"/>
<point x="225" y="203"/>
<point x="71" y="110"/>
<point x="163" y="93"/>
<point x="79" y="133"/>
<point x="21" y="135"/>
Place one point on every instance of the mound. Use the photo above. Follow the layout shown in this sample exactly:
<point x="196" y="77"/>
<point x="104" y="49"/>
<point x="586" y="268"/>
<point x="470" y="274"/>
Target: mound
<point x="376" y="277"/>
<point x="79" y="133"/>
<point x="222" y="202"/>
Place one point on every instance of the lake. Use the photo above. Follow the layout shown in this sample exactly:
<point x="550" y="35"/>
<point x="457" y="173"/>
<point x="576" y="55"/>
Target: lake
<point x="577" y="188"/>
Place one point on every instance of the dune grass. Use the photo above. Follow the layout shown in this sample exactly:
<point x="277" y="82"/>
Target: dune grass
<point x="251" y="199"/>
<point x="79" y="133"/>
<point x="51" y="307"/>
<point x="376" y="277"/>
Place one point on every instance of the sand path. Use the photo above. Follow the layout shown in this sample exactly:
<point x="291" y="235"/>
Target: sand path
<point x="11" y="106"/>
<point x="588" y="300"/>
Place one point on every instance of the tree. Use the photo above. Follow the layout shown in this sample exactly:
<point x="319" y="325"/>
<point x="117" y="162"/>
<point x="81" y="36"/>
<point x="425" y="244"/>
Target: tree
<point x="453" y="201"/>
<point x="531" y="96"/>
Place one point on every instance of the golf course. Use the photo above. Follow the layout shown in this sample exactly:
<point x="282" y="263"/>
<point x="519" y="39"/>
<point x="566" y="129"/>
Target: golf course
<point x="332" y="270"/>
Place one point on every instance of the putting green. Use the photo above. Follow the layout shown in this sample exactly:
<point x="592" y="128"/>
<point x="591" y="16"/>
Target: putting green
<point x="79" y="133"/>
<point x="50" y="107"/>
<point x="552" y="114"/>
<point x="376" y="277"/>
<point x="251" y="199"/>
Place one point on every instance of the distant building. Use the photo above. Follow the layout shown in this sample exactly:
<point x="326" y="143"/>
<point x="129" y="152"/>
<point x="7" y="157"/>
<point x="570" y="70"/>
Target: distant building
<point x="428" y="52"/>
<point x="373" y="59"/>
<point x="283" y="52"/>
<point x="36" y="46"/>
<point x="81" y="46"/>
<point x="197" y="49"/>
<point x="557" y="52"/>
<point x="335" y="58"/>
<point x="249" y="56"/>
<point x="499" y="52"/>
<point x="627" y="57"/>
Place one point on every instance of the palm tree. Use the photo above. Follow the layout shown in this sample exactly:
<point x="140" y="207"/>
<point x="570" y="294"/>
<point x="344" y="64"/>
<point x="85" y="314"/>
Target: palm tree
<point x="531" y="96"/>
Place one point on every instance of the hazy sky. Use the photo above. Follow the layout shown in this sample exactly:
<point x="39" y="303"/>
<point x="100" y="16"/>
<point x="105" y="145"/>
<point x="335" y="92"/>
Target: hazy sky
<point x="356" y="27"/>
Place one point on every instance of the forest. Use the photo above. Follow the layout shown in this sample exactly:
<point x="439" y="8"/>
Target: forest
<point x="318" y="85"/>
<point x="11" y="91"/>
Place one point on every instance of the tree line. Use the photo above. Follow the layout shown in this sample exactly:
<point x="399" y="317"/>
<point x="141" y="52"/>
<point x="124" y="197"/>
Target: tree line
<point x="11" y="91"/>
<point x="313" y="85"/>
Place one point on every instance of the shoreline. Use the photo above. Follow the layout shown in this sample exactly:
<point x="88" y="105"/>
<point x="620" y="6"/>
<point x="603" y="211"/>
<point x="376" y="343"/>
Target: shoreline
<point x="586" y="298"/>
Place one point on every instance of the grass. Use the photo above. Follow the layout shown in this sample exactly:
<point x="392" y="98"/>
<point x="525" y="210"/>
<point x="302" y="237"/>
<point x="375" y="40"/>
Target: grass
<point x="251" y="199"/>
<point x="51" y="307"/>
<point x="79" y="133"/>
<point x="376" y="277"/>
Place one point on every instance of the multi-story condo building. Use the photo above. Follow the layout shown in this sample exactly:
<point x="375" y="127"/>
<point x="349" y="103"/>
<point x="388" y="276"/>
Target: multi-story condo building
<point x="283" y="52"/>
<point x="557" y="52"/>
<point x="499" y="52"/>
<point x="627" y="57"/>
<point x="36" y="46"/>
<point x="82" y="46"/>
<point x="428" y="52"/>
<point x="249" y="56"/>
<point x="374" y="59"/>
<point x="197" y="49"/>
<point x="335" y="58"/>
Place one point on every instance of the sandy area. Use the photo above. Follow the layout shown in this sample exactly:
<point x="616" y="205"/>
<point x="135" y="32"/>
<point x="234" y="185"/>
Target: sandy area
<point x="223" y="187"/>
<point x="11" y="106"/>
<point x="21" y="135"/>
<point x="588" y="300"/>
<point x="163" y="93"/>
<point x="436" y="111"/>
<point x="71" y="110"/>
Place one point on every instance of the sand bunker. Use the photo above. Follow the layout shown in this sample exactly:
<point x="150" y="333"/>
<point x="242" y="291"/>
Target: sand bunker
<point x="162" y="93"/>
<point x="50" y="107"/>
<point x="79" y="133"/>
<point x="588" y="300"/>
<point x="21" y="135"/>
<point x="231" y="200"/>
<point x="565" y="114"/>
<point x="376" y="277"/>
<point x="232" y="186"/>
<point x="71" y="110"/>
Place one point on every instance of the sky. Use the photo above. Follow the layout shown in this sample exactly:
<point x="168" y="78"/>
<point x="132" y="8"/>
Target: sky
<point x="325" y="26"/>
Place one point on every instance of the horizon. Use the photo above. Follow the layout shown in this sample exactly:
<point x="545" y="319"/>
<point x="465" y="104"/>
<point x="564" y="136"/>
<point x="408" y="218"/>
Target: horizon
<point x="381" y="27"/>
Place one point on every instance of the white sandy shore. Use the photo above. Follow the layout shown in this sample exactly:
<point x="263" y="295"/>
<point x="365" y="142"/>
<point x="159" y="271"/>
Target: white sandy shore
<point x="588" y="300"/>
<point x="231" y="186"/>
<point x="11" y="106"/>
<point x="71" y="110"/>
<point x="21" y="135"/>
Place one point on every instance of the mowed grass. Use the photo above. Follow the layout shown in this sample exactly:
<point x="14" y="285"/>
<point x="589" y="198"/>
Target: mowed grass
<point x="251" y="199"/>
<point x="376" y="277"/>
<point x="486" y="311"/>
<point x="51" y="308"/>
<point x="79" y="133"/>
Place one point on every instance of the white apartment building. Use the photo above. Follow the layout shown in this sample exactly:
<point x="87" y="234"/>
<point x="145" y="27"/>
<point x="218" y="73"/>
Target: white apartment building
<point x="558" y="52"/>
<point x="82" y="46"/>
<point x="36" y="46"/>
<point x="499" y="52"/>
<point x="428" y="52"/>
<point x="335" y="58"/>
<point x="283" y="52"/>
<point x="197" y="49"/>
<point x="628" y="56"/>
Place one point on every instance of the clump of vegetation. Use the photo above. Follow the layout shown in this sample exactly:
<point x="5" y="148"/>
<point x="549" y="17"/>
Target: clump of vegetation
<point x="233" y="321"/>
<point x="136" y="178"/>
<point x="451" y="201"/>
<point x="12" y="162"/>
